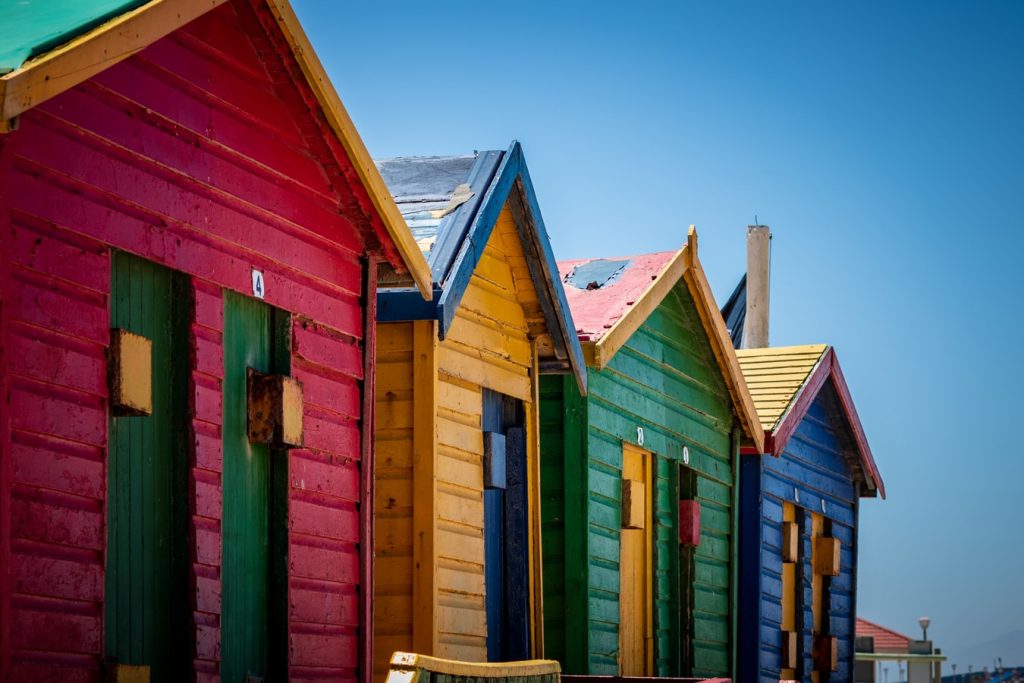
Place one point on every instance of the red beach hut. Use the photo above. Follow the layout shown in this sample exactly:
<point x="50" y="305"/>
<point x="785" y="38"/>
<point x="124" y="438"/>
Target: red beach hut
<point x="190" y="232"/>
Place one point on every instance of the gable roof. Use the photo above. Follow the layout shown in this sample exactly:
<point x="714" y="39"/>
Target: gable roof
<point x="451" y="205"/>
<point x="49" y="51"/>
<point x="611" y="299"/>
<point x="886" y="640"/>
<point x="785" y="380"/>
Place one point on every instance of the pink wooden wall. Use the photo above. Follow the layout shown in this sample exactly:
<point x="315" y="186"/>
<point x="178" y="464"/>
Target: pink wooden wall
<point x="206" y="153"/>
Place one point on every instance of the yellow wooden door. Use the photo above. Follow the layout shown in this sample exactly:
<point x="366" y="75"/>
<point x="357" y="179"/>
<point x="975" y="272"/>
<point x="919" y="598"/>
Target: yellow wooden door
<point x="636" y="620"/>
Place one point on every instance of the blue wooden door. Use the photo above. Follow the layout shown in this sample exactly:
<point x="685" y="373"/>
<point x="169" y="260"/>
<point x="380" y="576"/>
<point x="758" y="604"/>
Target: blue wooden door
<point x="506" y="548"/>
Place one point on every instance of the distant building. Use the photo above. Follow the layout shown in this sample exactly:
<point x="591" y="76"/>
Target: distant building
<point x="877" y="644"/>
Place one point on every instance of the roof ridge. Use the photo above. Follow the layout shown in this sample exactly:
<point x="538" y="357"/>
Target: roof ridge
<point x="884" y="628"/>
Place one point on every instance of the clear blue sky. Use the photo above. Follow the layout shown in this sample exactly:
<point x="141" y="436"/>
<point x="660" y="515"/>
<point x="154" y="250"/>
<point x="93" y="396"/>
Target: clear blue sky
<point x="884" y="144"/>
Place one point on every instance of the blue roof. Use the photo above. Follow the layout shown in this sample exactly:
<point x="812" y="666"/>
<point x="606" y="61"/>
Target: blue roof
<point x="451" y="204"/>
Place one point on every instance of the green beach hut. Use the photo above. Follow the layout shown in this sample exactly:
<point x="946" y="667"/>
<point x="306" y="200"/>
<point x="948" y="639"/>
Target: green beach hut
<point x="639" y="478"/>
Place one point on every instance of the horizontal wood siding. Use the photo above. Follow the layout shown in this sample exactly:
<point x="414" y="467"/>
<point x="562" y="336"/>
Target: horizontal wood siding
<point x="813" y="465"/>
<point x="55" y="303"/>
<point x="393" y="501"/>
<point x="200" y="153"/>
<point x="488" y="346"/>
<point x="665" y="379"/>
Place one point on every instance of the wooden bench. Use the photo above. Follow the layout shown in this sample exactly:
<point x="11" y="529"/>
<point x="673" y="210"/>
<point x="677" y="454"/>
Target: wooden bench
<point x="407" y="667"/>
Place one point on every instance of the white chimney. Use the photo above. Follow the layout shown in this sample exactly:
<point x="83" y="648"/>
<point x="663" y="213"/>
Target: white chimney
<point x="759" y="247"/>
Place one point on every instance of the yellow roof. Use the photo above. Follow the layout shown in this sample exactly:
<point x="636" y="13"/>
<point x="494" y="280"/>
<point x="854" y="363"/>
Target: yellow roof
<point x="775" y="375"/>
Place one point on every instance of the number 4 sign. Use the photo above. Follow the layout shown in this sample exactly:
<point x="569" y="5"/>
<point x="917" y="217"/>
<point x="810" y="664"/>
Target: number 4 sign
<point x="258" y="289"/>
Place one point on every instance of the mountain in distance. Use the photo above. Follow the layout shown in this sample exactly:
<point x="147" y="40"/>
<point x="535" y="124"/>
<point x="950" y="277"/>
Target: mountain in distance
<point x="1009" y="646"/>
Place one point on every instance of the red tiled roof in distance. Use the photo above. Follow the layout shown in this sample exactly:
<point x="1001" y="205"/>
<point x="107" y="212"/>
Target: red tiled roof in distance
<point x="595" y="311"/>
<point x="886" y="640"/>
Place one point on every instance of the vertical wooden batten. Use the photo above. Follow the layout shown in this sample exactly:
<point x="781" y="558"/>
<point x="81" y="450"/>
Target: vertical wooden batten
<point x="366" y="470"/>
<point x="424" y="427"/>
<point x="536" y="550"/>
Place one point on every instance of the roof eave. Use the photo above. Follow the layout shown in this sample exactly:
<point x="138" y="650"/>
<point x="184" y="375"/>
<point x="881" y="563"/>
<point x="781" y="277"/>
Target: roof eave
<point x="721" y="345"/>
<point x="104" y="46"/>
<point x="337" y="117"/>
<point x="81" y="58"/>
<point x="827" y="368"/>
<point x="685" y="265"/>
<point x="512" y="173"/>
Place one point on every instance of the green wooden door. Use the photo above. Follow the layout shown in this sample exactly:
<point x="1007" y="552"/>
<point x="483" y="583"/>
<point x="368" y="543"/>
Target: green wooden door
<point x="147" y="512"/>
<point x="252" y="563"/>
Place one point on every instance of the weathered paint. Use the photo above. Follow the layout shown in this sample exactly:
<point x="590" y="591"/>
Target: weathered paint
<point x="429" y="536"/>
<point x="666" y="380"/>
<point x="205" y="153"/>
<point x="147" y="507"/>
<point x="247" y="643"/>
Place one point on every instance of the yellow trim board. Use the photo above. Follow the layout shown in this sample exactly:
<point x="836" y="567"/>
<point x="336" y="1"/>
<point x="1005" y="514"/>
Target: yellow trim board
<point x="64" y="67"/>
<point x="725" y="353"/>
<point x="48" y="75"/>
<point x="685" y="265"/>
<point x="606" y="347"/>
<point x="341" y="123"/>
<point x="451" y="667"/>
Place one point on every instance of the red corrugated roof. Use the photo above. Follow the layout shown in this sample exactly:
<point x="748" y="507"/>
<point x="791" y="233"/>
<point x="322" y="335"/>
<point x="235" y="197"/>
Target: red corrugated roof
<point x="886" y="640"/>
<point x="595" y="311"/>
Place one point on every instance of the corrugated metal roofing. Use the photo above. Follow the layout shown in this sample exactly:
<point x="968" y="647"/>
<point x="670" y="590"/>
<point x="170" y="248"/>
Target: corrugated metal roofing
<point x="596" y="309"/>
<point x="438" y="198"/>
<point x="886" y="640"/>
<point x="775" y="375"/>
<point x="33" y="27"/>
<point x="423" y="187"/>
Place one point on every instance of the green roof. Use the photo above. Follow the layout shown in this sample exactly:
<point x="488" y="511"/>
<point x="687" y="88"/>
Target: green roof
<point x="33" y="27"/>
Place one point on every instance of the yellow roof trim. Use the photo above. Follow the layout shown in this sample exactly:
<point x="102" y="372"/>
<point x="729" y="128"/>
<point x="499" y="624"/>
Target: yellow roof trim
<point x="721" y="344"/>
<point x="338" y="118"/>
<point x="64" y="67"/>
<point x="82" y="58"/>
<point x="686" y="265"/>
<point x="606" y="347"/>
<point x="776" y="375"/>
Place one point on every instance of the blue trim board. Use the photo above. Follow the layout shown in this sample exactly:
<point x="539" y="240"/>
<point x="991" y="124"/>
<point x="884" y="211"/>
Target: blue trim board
<point x="472" y="248"/>
<point x="750" y="602"/>
<point x="453" y="227"/>
<point x="550" y="277"/>
<point x="405" y="304"/>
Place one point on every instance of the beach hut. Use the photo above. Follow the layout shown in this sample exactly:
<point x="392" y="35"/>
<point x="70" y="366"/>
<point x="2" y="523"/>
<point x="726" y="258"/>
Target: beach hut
<point x="798" y="518"/>
<point x="639" y="478"/>
<point x="456" y="509"/>
<point x="190" y="229"/>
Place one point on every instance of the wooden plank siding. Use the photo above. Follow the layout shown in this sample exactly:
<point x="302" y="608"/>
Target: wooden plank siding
<point x="201" y="153"/>
<point x="490" y="345"/>
<point x="664" y="379"/>
<point x="811" y="469"/>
